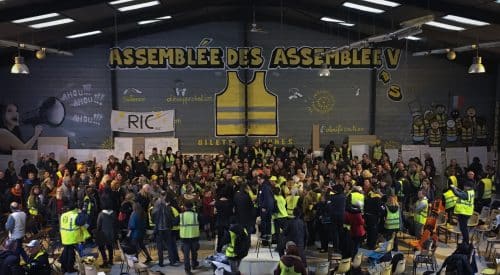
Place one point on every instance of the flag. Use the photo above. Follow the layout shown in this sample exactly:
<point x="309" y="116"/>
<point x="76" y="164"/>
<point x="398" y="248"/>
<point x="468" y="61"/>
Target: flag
<point x="457" y="102"/>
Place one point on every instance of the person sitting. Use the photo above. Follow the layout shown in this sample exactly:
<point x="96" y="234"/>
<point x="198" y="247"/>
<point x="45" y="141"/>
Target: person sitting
<point x="291" y="263"/>
<point x="38" y="262"/>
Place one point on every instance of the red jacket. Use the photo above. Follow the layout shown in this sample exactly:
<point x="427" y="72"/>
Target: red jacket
<point x="356" y="221"/>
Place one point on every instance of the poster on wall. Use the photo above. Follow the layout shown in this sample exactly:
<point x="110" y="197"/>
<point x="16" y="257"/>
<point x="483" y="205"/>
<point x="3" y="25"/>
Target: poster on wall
<point x="123" y="145"/>
<point x="411" y="151"/>
<point x="359" y="149"/>
<point x="393" y="154"/>
<point x="56" y="145"/>
<point x="480" y="152"/>
<point x="459" y="154"/>
<point x="436" y="155"/>
<point x="19" y="155"/>
<point x="142" y="122"/>
<point x="160" y="144"/>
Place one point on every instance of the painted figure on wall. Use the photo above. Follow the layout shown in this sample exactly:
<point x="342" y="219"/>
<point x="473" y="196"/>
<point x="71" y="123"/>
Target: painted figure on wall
<point x="10" y="134"/>
<point x="481" y="131"/>
<point x="455" y="115"/>
<point x="441" y="116"/>
<point x="418" y="130"/>
<point x="451" y="131"/>
<point x="435" y="134"/>
<point x="467" y="133"/>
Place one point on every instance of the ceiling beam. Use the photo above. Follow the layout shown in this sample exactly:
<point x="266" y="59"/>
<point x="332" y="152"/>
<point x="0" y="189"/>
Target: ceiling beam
<point x="33" y="9"/>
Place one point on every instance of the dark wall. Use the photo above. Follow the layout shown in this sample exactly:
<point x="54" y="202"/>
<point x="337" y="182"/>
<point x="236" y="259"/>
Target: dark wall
<point x="81" y="83"/>
<point x="339" y="103"/>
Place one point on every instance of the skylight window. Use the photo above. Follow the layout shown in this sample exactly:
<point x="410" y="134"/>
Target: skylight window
<point x="384" y="3"/>
<point x="83" y="34"/>
<point x="444" y="26"/>
<point x="465" y="20"/>
<point x="362" y="7"/>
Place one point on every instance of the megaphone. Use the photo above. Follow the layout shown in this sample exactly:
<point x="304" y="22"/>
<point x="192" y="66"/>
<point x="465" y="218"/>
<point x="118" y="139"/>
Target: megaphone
<point x="51" y="112"/>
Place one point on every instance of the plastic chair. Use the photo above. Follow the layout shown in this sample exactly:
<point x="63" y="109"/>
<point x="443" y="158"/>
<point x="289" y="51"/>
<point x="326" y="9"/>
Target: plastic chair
<point x="344" y="266"/>
<point x="427" y="257"/>
<point x="485" y="214"/>
<point x="260" y="242"/>
<point x="400" y="267"/>
<point x="492" y="271"/>
<point x="387" y="269"/>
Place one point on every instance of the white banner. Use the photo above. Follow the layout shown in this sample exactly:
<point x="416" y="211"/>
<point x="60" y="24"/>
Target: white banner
<point x="142" y="122"/>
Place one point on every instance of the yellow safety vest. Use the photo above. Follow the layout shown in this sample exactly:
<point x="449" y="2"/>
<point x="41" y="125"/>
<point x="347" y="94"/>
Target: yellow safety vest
<point x="32" y="208"/>
<point x="435" y="137"/>
<point x="169" y="159"/>
<point x="415" y="180"/>
<point x="232" y="244"/>
<point x="281" y="202"/>
<point x="189" y="225"/>
<point x="150" y="216"/>
<point x="70" y="232"/>
<point x="400" y="192"/>
<point x="291" y="203"/>
<point x="488" y="184"/>
<point x="89" y="204"/>
<point x="418" y="130"/>
<point x="467" y="134"/>
<point x="358" y="199"/>
<point x="450" y="199"/>
<point x="287" y="270"/>
<point x="392" y="219"/>
<point x="377" y="152"/>
<point x="175" y="213"/>
<point x="465" y="207"/>
<point x="421" y="216"/>
<point x="481" y="132"/>
<point x="454" y="181"/>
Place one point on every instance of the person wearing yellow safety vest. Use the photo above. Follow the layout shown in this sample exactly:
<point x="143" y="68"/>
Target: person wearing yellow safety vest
<point x="280" y="214"/>
<point x="292" y="201"/>
<point x="420" y="213"/>
<point x="238" y="244"/>
<point x="290" y="264"/>
<point x="189" y="231"/>
<point x="72" y="230"/>
<point x="356" y="198"/>
<point x="464" y="208"/>
<point x="450" y="200"/>
<point x="35" y="206"/>
<point x="38" y="263"/>
<point x="393" y="220"/>
<point x="452" y="178"/>
<point x="484" y="189"/>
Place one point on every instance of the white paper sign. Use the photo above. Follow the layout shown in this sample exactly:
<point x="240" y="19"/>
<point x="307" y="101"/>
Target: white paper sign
<point x="102" y="155"/>
<point x="458" y="154"/>
<point x="142" y="122"/>
<point x="19" y="155"/>
<point x="56" y="145"/>
<point x="123" y="145"/>
<point x="411" y="151"/>
<point x="161" y="144"/>
<point x="436" y="156"/>
<point x="359" y="150"/>
<point x="393" y="154"/>
<point x="481" y="152"/>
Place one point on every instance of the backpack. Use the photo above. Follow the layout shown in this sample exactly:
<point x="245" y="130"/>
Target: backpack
<point x="242" y="243"/>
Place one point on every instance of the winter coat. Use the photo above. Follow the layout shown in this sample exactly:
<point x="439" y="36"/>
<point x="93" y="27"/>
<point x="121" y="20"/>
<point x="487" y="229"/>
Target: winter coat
<point x="107" y="225"/>
<point x="296" y="231"/>
<point x="356" y="221"/>
<point x="244" y="210"/>
<point x="137" y="226"/>
<point x="266" y="197"/>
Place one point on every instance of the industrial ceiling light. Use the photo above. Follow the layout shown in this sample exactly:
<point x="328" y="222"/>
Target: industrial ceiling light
<point x="40" y="54"/>
<point x="324" y="71"/>
<point x="451" y="55"/>
<point x="477" y="67"/>
<point x="19" y="67"/>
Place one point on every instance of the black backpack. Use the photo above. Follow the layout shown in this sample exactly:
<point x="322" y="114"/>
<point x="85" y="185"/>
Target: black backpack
<point x="242" y="242"/>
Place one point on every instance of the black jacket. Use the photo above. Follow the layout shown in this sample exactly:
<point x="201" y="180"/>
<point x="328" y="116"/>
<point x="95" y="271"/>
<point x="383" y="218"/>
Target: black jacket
<point x="9" y="263"/>
<point x="39" y="266"/>
<point x="296" y="231"/>
<point x="244" y="210"/>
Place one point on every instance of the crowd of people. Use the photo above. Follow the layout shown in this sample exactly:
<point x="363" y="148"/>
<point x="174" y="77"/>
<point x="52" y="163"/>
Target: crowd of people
<point x="287" y="195"/>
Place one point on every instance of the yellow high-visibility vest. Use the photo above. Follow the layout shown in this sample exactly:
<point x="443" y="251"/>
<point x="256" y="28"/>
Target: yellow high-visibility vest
<point x="450" y="199"/>
<point x="189" y="225"/>
<point x="70" y="232"/>
<point x="281" y="202"/>
<point x="488" y="184"/>
<point x="175" y="213"/>
<point x="454" y="181"/>
<point x="291" y="203"/>
<point x="392" y="219"/>
<point x="358" y="199"/>
<point x="421" y="216"/>
<point x="288" y="270"/>
<point x="465" y="207"/>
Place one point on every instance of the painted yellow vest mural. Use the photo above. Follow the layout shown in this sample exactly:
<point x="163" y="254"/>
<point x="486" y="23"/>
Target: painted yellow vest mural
<point x="261" y="107"/>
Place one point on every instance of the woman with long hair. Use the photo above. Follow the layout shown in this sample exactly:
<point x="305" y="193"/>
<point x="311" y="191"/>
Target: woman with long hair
<point x="393" y="220"/>
<point x="137" y="230"/>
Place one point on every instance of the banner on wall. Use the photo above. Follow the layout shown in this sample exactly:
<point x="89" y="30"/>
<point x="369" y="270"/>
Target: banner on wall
<point x="142" y="122"/>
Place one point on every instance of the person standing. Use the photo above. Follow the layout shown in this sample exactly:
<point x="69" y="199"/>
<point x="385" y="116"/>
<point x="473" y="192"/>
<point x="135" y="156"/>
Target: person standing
<point x="296" y="231"/>
<point x="71" y="229"/>
<point x="450" y="200"/>
<point x="137" y="228"/>
<point x="266" y="205"/>
<point x="107" y="228"/>
<point x="244" y="209"/>
<point x="373" y="202"/>
<point x="189" y="233"/>
<point x="38" y="263"/>
<point x="392" y="220"/>
<point x="163" y="219"/>
<point x="421" y="211"/>
<point x="16" y="226"/>
<point x="464" y="208"/>
<point x="483" y="193"/>
<point x="354" y="218"/>
<point x="237" y="245"/>
<point x="223" y="211"/>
